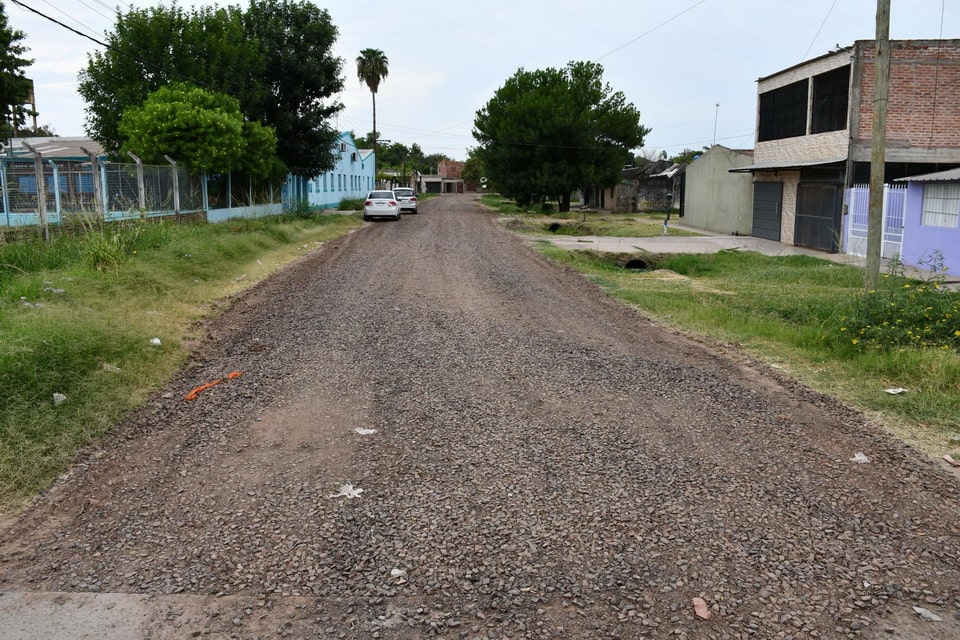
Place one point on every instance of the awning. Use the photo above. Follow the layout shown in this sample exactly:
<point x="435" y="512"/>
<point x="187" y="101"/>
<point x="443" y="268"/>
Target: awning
<point x="939" y="176"/>
<point x="787" y="164"/>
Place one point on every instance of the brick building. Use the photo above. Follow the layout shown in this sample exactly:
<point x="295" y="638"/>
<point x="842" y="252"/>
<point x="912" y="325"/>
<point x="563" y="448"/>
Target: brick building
<point x="814" y="127"/>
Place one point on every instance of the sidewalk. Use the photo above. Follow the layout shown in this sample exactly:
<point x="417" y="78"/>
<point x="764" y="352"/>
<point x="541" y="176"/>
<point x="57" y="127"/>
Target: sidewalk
<point x="710" y="243"/>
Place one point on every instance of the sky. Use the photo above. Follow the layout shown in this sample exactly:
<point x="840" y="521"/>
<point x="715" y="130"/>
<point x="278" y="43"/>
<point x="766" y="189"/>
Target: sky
<point x="689" y="66"/>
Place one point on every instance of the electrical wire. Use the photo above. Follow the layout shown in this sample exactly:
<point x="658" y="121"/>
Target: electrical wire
<point x="648" y="32"/>
<point x="817" y="34"/>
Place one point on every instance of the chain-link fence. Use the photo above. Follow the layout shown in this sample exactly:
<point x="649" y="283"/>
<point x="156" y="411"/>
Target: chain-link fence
<point x="121" y="191"/>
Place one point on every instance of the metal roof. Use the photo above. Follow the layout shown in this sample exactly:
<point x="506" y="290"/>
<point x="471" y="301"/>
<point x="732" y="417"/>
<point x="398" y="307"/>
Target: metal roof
<point x="939" y="176"/>
<point x="796" y="164"/>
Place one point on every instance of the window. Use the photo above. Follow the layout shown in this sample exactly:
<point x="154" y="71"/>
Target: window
<point x="941" y="205"/>
<point x="783" y="112"/>
<point x="830" y="106"/>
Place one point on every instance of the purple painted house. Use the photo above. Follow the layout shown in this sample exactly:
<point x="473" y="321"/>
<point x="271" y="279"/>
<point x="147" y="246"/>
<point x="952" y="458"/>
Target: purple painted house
<point x="932" y="219"/>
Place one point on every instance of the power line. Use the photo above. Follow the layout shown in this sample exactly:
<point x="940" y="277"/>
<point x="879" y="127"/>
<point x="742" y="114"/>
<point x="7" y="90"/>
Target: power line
<point x="646" y="33"/>
<point x="57" y="22"/>
<point x="825" y="18"/>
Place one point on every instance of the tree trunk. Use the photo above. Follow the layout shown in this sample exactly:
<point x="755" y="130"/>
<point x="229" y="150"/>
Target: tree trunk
<point x="375" y="136"/>
<point x="564" y="203"/>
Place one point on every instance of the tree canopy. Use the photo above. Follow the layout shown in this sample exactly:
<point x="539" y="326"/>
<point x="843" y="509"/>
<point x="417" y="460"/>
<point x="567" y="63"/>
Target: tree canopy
<point x="203" y="129"/>
<point x="275" y="59"/>
<point x="552" y="131"/>
<point x="15" y="87"/>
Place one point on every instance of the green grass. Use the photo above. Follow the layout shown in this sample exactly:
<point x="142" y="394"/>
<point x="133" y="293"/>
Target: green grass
<point x="77" y="316"/>
<point x="796" y="312"/>
<point x="580" y="223"/>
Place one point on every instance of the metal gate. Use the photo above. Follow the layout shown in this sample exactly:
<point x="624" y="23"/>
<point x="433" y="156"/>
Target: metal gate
<point x="767" y="197"/>
<point x="894" y="207"/>
<point x="817" y="224"/>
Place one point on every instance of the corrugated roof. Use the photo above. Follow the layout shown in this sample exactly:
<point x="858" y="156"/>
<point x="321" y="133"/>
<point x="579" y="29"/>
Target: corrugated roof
<point x="54" y="147"/>
<point x="796" y="164"/>
<point x="939" y="176"/>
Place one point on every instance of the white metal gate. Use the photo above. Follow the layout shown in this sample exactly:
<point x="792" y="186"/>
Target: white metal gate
<point x="894" y="207"/>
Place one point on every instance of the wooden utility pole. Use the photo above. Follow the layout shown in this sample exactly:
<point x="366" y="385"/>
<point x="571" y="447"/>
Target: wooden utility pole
<point x="878" y="145"/>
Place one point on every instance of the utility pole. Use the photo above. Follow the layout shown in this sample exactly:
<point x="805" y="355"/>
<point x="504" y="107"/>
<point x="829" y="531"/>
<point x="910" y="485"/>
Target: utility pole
<point x="878" y="145"/>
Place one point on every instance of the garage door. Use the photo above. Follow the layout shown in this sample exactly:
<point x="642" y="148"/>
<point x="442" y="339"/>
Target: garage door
<point x="766" y="209"/>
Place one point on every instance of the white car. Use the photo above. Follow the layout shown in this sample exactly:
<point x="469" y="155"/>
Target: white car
<point x="381" y="204"/>
<point x="407" y="199"/>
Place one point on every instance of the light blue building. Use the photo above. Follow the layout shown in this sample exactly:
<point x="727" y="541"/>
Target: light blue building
<point x="351" y="178"/>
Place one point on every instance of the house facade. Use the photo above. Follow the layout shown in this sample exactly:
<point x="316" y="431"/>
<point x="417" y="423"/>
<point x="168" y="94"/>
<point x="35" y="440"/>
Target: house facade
<point x="352" y="177"/>
<point x="715" y="199"/>
<point x="447" y="179"/>
<point x="931" y="221"/>
<point x="814" y="127"/>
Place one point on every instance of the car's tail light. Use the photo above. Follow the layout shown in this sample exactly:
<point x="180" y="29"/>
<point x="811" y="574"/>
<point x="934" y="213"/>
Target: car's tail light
<point x="392" y="204"/>
<point x="368" y="203"/>
<point x="413" y="199"/>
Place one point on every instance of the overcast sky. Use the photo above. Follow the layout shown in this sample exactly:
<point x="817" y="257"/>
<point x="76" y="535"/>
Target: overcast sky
<point x="674" y="60"/>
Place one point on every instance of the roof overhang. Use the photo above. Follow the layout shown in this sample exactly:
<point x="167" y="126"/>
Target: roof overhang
<point x="949" y="175"/>
<point x="786" y="165"/>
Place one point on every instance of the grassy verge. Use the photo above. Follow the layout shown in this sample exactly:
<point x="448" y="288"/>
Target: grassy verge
<point x="811" y="318"/>
<point x="78" y="319"/>
<point x="580" y="223"/>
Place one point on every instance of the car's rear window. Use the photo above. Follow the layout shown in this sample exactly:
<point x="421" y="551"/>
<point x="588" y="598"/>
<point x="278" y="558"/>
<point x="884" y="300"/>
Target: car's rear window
<point x="403" y="192"/>
<point x="381" y="195"/>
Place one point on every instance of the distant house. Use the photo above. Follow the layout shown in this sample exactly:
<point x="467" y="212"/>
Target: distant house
<point x="715" y="199"/>
<point x="655" y="186"/>
<point x="448" y="179"/>
<point x="814" y="124"/>
<point x="931" y="220"/>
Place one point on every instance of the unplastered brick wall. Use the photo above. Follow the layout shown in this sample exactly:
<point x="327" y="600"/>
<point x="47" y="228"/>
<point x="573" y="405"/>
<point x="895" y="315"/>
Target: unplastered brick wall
<point x="923" y="108"/>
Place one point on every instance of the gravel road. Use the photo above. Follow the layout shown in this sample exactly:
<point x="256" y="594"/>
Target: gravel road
<point x="437" y="432"/>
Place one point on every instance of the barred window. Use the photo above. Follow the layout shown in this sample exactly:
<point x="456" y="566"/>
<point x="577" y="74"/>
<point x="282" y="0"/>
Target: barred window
<point x="783" y="112"/>
<point x="941" y="205"/>
<point x="830" y="93"/>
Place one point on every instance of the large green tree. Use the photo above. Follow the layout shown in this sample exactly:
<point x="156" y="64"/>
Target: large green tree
<point x="372" y="68"/>
<point x="552" y="131"/>
<point x="275" y="59"/>
<point x="202" y="129"/>
<point x="298" y="82"/>
<point x="14" y="85"/>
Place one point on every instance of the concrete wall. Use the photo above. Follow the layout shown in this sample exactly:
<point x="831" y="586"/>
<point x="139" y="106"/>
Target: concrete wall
<point x="714" y="198"/>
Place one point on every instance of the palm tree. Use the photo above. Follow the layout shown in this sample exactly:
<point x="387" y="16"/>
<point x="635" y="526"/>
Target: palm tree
<point x="371" y="69"/>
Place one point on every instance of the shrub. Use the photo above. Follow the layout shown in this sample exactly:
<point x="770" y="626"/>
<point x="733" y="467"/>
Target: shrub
<point x="907" y="312"/>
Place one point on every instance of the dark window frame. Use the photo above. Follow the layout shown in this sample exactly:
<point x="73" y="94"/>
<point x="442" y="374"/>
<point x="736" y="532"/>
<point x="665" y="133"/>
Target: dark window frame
<point x="783" y="112"/>
<point x="831" y="100"/>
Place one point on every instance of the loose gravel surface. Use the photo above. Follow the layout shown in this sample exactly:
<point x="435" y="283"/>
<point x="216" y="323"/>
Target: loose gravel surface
<point x="439" y="433"/>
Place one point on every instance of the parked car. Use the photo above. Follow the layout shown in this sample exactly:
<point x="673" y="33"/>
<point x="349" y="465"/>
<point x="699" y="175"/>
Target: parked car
<point x="381" y="204"/>
<point x="407" y="199"/>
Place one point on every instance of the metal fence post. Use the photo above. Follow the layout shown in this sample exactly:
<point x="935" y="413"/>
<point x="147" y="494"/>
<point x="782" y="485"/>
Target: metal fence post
<point x="57" y="202"/>
<point x="176" y="186"/>
<point x="141" y="192"/>
<point x="99" y="202"/>
<point x="6" y="190"/>
<point x="41" y="190"/>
